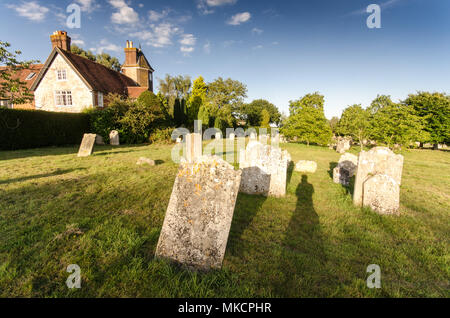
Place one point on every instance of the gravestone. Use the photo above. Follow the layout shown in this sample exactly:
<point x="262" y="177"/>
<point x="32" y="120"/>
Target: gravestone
<point x="144" y="160"/>
<point x="345" y="169"/>
<point x="232" y="136"/>
<point x="343" y="144"/>
<point x="114" y="138"/>
<point x="382" y="194"/>
<point x="198" y="218"/>
<point x="193" y="147"/>
<point x="379" y="160"/>
<point x="87" y="145"/>
<point x="306" y="166"/>
<point x="264" y="169"/>
<point x="99" y="140"/>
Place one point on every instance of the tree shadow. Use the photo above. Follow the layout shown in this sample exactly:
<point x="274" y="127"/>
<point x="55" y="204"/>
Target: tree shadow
<point x="38" y="176"/>
<point x="247" y="206"/>
<point x="302" y="254"/>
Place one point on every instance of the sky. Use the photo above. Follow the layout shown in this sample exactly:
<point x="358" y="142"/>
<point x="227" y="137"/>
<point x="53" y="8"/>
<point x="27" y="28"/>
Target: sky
<point x="281" y="49"/>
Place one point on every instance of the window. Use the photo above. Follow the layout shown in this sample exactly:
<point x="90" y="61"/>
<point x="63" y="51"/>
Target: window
<point x="30" y="76"/>
<point x="100" y="99"/>
<point x="61" y="75"/>
<point x="5" y="103"/>
<point x="63" y="98"/>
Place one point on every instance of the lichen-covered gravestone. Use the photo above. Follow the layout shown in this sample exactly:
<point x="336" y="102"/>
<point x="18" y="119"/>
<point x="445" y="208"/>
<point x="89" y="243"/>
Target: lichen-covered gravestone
<point x="114" y="138"/>
<point x="378" y="161"/>
<point x="198" y="218"/>
<point x="87" y="145"/>
<point x="264" y="169"/>
<point x="345" y="169"/>
<point x="343" y="144"/>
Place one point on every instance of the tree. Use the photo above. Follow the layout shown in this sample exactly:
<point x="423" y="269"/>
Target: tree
<point x="265" y="122"/>
<point x="333" y="122"/>
<point x="434" y="108"/>
<point x="101" y="58"/>
<point x="252" y="113"/>
<point x="397" y="124"/>
<point x="173" y="88"/>
<point x="196" y="99"/>
<point x="354" y="122"/>
<point x="12" y="88"/>
<point x="307" y="120"/>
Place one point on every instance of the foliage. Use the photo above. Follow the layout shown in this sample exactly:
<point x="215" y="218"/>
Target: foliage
<point x="354" y="122"/>
<point x="162" y="135"/>
<point x="173" y="88"/>
<point x="265" y="122"/>
<point x="333" y="122"/>
<point x="434" y="108"/>
<point x="11" y="88"/>
<point x="102" y="58"/>
<point x="307" y="121"/>
<point x="252" y="112"/>
<point x="22" y="129"/>
<point x="196" y="100"/>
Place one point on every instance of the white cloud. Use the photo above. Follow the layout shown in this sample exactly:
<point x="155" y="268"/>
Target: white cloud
<point x="207" y="47"/>
<point x="88" y="5"/>
<point x="158" y="35"/>
<point x="77" y="40"/>
<point x="383" y="5"/>
<point x="257" y="31"/>
<point x="204" y="6"/>
<point x="155" y="16"/>
<point x="186" y="49"/>
<point x="31" y="10"/>
<point x="258" y="47"/>
<point x="188" y="39"/>
<point x="125" y="13"/>
<point x="105" y="45"/>
<point x="239" y="18"/>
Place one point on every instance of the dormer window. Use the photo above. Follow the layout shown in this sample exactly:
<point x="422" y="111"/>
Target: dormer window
<point x="61" y="75"/>
<point x="30" y="76"/>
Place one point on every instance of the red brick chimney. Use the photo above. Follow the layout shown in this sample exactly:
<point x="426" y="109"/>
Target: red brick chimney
<point x="60" y="39"/>
<point x="131" y="54"/>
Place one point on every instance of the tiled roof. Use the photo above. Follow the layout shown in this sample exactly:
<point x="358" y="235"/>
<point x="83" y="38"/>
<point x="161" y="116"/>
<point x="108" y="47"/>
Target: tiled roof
<point x="23" y="74"/>
<point x="135" y="92"/>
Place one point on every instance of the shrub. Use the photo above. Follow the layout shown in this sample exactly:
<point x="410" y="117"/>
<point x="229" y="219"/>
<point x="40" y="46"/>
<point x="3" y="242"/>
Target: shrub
<point x="163" y="136"/>
<point x="21" y="129"/>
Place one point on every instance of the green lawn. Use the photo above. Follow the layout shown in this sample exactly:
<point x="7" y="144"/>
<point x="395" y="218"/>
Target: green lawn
<point x="105" y="214"/>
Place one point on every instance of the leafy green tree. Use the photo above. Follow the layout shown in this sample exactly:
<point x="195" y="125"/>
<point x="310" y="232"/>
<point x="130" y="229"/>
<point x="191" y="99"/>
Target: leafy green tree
<point x="196" y="99"/>
<point x="307" y="120"/>
<point x="101" y="58"/>
<point x="434" y="108"/>
<point x="252" y="112"/>
<point x="173" y="88"/>
<point x="11" y="87"/>
<point x="397" y="124"/>
<point x="354" y="122"/>
<point x="333" y="122"/>
<point x="265" y="122"/>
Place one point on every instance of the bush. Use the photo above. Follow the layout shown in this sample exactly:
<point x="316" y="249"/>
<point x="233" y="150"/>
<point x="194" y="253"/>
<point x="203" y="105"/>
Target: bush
<point x="162" y="136"/>
<point x="21" y="129"/>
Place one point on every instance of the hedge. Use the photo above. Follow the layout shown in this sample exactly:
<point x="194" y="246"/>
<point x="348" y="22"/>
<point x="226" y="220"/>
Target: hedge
<point x="22" y="129"/>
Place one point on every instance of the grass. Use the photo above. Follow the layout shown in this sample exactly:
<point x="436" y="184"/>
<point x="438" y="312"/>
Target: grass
<point x="105" y="214"/>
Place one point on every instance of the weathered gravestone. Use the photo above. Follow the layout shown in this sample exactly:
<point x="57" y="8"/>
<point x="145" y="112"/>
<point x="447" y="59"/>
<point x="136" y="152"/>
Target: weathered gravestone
<point x="382" y="194"/>
<point x="343" y="144"/>
<point x="114" y="138"/>
<point x="198" y="218"/>
<point x="264" y="169"/>
<point x="345" y="169"/>
<point x="306" y="166"/>
<point x="99" y="140"/>
<point x="377" y="161"/>
<point x="193" y="147"/>
<point x="87" y="145"/>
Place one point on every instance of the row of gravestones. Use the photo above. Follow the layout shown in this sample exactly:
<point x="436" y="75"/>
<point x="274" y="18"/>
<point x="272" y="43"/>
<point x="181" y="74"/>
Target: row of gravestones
<point x="198" y="218"/>
<point x="87" y="144"/>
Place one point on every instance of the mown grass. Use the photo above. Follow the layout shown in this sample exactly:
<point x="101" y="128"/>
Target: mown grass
<point x="105" y="214"/>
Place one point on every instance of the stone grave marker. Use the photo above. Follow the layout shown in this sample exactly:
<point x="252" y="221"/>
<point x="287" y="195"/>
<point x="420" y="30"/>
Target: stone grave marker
<point x="345" y="169"/>
<point x="114" y="138"/>
<point x="198" y="218"/>
<point x="87" y="145"/>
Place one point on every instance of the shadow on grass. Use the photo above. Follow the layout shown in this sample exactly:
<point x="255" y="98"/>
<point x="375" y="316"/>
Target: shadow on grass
<point x="38" y="176"/>
<point x="247" y="206"/>
<point x="290" y="170"/>
<point x="302" y="257"/>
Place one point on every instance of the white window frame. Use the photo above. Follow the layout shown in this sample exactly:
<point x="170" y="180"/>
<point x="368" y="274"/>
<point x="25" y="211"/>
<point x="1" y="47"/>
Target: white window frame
<point x="63" y="74"/>
<point x="100" y="99"/>
<point x="63" y="98"/>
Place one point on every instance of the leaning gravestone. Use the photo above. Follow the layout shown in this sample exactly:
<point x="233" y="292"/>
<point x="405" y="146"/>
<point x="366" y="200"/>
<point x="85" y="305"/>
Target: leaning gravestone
<point x="264" y="169"/>
<point x="198" y="218"/>
<point x="377" y="161"/>
<point x="345" y="169"/>
<point x="114" y="138"/>
<point x="87" y="145"/>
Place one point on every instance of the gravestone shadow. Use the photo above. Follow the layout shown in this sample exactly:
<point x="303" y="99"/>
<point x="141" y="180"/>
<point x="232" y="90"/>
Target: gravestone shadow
<point x="302" y="252"/>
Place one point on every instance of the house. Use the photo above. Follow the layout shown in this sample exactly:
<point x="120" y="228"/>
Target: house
<point x="70" y="83"/>
<point x="27" y="76"/>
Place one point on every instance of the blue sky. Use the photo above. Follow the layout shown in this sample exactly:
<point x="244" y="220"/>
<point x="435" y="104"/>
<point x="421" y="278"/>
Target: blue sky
<point x="280" y="49"/>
